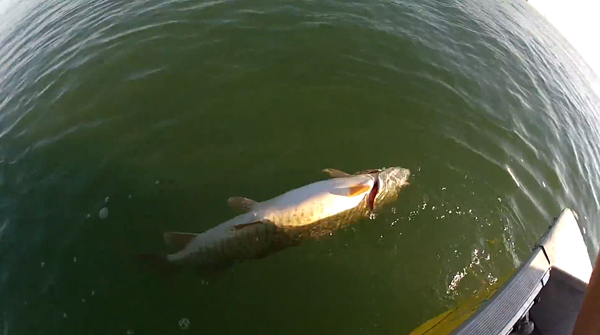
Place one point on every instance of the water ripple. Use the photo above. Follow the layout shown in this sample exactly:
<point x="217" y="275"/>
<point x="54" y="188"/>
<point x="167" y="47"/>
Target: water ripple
<point x="108" y="95"/>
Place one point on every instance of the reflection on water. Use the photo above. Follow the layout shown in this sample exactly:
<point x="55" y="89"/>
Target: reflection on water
<point x="121" y="120"/>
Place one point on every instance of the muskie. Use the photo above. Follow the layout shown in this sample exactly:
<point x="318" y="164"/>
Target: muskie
<point x="306" y="212"/>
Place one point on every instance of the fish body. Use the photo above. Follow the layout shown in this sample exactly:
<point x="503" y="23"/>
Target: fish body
<point x="310" y="211"/>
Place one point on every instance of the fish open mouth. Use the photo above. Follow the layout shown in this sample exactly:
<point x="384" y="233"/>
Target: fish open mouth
<point x="373" y="194"/>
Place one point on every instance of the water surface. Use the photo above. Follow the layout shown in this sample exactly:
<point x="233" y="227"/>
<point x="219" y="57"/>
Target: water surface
<point x="154" y="113"/>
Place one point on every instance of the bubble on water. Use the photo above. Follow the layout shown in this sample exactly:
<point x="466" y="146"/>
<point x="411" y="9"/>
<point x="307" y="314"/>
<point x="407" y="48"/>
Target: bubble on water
<point x="93" y="293"/>
<point x="42" y="264"/>
<point x="129" y="196"/>
<point x="103" y="213"/>
<point x="157" y="182"/>
<point x="372" y="216"/>
<point x="499" y="200"/>
<point x="544" y="184"/>
<point x="130" y="332"/>
<point x="455" y="281"/>
<point x="184" y="323"/>
<point x="65" y="315"/>
<point x="74" y="259"/>
<point x="106" y="199"/>
<point x="88" y="216"/>
<point x="83" y="300"/>
<point x="443" y="188"/>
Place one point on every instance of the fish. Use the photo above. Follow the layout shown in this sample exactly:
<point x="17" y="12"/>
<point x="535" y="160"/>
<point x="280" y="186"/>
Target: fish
<point x="307" y="212"/>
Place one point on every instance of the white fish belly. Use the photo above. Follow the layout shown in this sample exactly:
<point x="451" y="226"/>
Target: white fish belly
<point x="314" y="202"/>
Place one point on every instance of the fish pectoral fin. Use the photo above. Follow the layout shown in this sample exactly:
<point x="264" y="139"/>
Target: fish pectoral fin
<point x="255" y="223"/>
<point x="180" y="240"/>
<point x="336" y="173"/>
<point x="357" y="190"/>
<point x="241" y="204"/>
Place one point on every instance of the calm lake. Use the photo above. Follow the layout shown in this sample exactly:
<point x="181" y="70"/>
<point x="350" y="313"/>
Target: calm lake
<point x="120" y="120"/>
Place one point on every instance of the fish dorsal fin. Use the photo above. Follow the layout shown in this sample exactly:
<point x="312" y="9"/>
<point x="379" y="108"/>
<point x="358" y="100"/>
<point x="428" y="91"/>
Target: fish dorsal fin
<point x="250" y="224"/>
<point x="241" y="204"/>
<point x="180" y="240"/>
<point x="356" y="190"/>
<point x="336" y="173"/>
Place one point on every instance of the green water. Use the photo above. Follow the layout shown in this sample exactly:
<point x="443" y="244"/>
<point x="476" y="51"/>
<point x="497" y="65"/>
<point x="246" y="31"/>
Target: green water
<point x="160" y="111"/>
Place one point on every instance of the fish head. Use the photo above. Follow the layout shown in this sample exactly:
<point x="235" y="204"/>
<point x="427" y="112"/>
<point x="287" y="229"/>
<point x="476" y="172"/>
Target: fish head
<point x="388" y="182"/>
